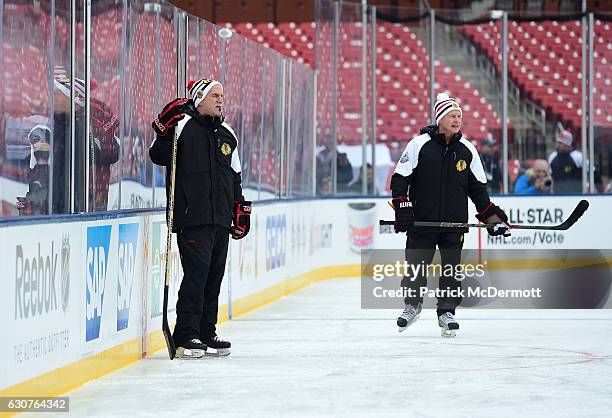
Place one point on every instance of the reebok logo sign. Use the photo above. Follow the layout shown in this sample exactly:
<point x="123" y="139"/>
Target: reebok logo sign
<point x="35" y="282"/>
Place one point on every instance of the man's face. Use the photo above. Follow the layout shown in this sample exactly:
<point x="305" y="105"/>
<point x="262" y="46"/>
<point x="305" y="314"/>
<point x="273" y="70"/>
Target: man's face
<point x="212" y="105"/>
<point x="562" y="148"/>
<point x="451" y="122"/>
<point x="540" y="168"/>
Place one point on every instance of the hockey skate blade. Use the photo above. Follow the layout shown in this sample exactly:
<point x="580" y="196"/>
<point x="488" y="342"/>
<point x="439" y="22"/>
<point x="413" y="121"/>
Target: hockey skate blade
<point x="402" y="329"/>
<point x="189" y="353"/>
<point x="219" y="352"/>
<point x="448" y="333"/>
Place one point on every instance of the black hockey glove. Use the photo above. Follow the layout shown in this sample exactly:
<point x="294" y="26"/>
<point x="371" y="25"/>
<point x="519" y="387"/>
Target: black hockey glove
<point x="493" y="214"/>
<point x="241" y="224"/>
<point x="172" y="113"/>
<point x="404" y="218"/>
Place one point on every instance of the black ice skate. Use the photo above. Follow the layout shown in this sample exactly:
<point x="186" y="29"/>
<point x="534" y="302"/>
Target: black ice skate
<point x="217" y="347"/>
<point x="408" y="317"/>
<point x="448" y="325"/>
<point x="193" y="348"/>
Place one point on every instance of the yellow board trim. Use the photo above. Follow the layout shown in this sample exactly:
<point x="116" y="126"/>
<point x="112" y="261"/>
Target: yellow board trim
<point x="71" y="376"/>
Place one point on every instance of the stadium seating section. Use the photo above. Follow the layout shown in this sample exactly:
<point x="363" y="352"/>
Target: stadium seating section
<point x="546" y="63"/>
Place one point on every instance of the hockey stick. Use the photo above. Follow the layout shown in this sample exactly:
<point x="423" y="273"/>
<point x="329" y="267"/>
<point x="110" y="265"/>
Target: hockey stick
<point x="582" y="206"/>
<point x="169" y="221"/>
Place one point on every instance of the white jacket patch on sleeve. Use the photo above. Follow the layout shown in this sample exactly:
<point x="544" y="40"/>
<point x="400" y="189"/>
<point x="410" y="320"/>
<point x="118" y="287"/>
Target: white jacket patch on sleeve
<point x="236" y="166"/>
<point x="410" y="158"/>
<point x="476" y="165"/>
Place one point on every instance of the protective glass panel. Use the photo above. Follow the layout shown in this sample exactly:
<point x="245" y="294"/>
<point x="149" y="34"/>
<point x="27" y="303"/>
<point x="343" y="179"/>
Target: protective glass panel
<point x="602" y="92"/>
<point x="402" y="85"/>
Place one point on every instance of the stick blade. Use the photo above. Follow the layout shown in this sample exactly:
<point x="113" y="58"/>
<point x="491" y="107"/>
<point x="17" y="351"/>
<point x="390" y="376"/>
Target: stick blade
<point x="582" y="206"/>
<point x="169" y="340"/>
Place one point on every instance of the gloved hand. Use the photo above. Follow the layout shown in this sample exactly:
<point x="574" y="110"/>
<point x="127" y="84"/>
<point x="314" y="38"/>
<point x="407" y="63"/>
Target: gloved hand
<point x="24" y="206"/>
<point x="404" y="217"/>
<point x="241" y="224"/>
<point x="493" y="214"/>
<point x="172" y="113"/>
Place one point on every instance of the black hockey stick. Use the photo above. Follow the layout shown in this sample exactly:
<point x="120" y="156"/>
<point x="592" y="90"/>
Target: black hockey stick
<point x="582" y="206"/>
<point x="169" y="221"/>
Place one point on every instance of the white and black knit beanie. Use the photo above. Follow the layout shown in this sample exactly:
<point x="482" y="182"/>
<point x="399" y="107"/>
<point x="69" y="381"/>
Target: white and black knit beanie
<point x="445" y="104"/>
<point x="199" y="89"/>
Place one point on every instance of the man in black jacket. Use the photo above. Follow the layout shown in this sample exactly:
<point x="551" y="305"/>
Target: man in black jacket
<point x="435" y="175"/>
<point x="208" y="207"/>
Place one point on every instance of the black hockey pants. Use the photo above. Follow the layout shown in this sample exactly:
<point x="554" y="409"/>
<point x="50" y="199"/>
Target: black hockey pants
<point x="420" y="250"/>
<point x="203" y="251"/>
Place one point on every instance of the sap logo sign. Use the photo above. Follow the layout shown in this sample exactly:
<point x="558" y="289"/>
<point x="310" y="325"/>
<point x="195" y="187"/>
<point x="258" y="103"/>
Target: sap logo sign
<point x="98" y="240"/>
<point x="128" y="242"/>
<point x="276" y="241"/>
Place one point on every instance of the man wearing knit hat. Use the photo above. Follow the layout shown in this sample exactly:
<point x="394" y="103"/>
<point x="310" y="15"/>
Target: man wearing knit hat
<point x="434" y="177"/>
<point x="565" y="164"/>
<point x="208" y="208"/>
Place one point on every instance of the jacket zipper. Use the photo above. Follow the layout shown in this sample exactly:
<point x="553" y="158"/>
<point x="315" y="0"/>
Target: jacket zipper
<point x="441" y="174"/>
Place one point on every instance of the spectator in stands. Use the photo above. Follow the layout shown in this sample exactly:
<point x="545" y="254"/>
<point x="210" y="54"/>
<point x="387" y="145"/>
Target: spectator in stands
<point x="535" y="180"/>
<point x="490" y="161"/>
<point x="103" y="148"/>
<point x="36" y="200"/>
<point x="344" y="174"/>
<point x="324" y="166"/>
<point x="566" y="164"/>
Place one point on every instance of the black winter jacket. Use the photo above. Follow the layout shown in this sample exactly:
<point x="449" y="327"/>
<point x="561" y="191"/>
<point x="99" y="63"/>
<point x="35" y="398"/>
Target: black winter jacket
<point x="441" y="177"/>
<point x="208" y="180"/>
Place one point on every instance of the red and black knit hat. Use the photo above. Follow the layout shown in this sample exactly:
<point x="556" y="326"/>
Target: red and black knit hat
<point x="444" y="105"/>
<point x="199" y="89"/>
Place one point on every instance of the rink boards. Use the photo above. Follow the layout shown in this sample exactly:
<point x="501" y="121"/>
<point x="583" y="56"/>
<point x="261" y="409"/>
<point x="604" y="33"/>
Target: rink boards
<point x="82" y="297"/>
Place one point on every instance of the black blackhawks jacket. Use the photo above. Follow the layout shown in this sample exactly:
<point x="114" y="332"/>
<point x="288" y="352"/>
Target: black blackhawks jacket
<point x="566" y="171"/>
<point x="441" y="177"/>
<point x="208" y="180"/>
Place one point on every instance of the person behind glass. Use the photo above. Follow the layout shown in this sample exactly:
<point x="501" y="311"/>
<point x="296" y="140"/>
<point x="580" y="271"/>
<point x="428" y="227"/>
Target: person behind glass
<point x="535" y="180"/>
<point x="490" y="162"/>
<point x="103" y="147"/>
<point x="208" y="207"/>
<point x="437" y="173"/>
<point x="565" y="164"/>
<point x="35" y="202"/>
<point x="344" y="174"/>
<point x="324" y="166"/>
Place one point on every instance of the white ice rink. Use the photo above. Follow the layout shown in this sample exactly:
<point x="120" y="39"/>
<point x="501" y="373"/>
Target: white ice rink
<point x="317" y="353"/>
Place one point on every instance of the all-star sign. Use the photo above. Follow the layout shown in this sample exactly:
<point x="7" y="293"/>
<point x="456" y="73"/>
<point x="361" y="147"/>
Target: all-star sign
<point x="98" y="241"/>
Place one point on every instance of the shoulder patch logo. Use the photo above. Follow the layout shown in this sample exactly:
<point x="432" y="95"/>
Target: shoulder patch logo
<point x="461" y="165"/>
<point x="226" y="149"/>
<point x="404" y="158"/>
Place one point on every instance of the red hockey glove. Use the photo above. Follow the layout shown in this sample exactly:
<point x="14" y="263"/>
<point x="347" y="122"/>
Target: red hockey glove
<point x="172" y="113"/>
<point x="493" y="214"/>
<point x="24" y="206"/>
<point x="241" y="224"/>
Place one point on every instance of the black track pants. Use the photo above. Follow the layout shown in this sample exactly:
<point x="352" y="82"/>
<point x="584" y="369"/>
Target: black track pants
<point x="203" y="251"/>
<point x="420" y="250"/>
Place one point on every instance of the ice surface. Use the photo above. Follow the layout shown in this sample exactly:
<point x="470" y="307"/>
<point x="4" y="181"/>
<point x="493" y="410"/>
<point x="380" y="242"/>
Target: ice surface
<point x="317" y="353"/>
